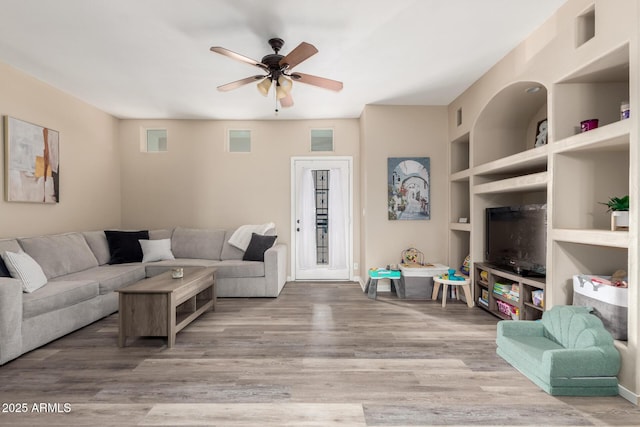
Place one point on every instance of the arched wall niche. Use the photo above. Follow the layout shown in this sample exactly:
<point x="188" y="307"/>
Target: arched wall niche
<point x="508" y="124"/>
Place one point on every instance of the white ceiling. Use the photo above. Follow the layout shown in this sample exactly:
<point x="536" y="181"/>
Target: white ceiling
<point x="151" y="58"/>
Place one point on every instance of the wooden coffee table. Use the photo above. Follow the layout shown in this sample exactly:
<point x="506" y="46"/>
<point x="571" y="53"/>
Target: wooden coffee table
<point x="163" y="306"/>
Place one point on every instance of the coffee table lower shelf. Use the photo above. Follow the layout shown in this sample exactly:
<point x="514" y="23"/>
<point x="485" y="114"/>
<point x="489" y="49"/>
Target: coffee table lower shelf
<point x="162" y="306"/>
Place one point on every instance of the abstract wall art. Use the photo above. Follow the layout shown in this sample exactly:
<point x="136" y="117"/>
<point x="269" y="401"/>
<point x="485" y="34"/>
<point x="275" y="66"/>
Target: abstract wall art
<point x="32" y="162"/>
<point x="408" y="188"/>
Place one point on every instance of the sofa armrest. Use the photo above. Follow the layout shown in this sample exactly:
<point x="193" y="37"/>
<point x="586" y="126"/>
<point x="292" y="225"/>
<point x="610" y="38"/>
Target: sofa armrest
<point x="519" y="328"/>
<point x="584" y="362"/>
<point x="10" y="319"/>
<point x="275" y="268"/>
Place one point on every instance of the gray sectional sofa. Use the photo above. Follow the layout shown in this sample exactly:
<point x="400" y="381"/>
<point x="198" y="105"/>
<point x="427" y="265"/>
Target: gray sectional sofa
<point x="81" y="283"/>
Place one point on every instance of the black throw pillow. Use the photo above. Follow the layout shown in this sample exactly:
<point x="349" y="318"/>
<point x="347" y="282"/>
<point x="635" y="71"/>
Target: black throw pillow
<point x="258" y="246"/>
<point x="4" y="271"/>
<point x="124" y="245"/>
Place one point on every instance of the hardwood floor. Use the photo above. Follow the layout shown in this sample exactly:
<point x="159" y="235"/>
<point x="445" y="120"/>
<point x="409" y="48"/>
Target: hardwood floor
<point x="322" y="354"/>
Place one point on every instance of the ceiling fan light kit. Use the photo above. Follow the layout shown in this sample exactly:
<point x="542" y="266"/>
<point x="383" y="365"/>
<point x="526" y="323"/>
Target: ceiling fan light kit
<point x="264" y="85"/>
<point x="278" y="69"/>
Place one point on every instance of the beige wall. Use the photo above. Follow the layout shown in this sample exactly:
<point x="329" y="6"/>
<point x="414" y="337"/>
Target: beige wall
<point x="197" y="183"/>
<point x="89" y="162"/>
<point x="402" y="131"/>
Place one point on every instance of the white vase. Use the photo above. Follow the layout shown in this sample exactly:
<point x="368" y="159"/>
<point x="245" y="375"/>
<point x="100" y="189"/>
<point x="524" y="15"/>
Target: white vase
<point x="619" y="220"/>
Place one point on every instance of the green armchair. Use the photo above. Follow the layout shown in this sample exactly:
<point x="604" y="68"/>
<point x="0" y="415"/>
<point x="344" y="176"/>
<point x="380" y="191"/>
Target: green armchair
<point x="567" y="353"/>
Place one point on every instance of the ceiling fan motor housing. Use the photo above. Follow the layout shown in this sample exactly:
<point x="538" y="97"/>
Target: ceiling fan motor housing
<point x="272" y="61"/>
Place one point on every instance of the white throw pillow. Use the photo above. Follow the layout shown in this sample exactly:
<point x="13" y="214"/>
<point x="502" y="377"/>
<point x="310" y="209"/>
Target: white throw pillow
<point x="242" y="236"/>
<point x="156" y="250"/>
<point x="23" y="267"/>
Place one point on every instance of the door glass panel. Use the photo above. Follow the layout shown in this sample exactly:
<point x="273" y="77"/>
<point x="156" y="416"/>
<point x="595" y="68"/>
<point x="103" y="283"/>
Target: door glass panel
<point x="321" y="181"/>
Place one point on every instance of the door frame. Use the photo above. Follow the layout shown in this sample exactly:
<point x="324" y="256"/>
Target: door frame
<point x="293" y="187"/>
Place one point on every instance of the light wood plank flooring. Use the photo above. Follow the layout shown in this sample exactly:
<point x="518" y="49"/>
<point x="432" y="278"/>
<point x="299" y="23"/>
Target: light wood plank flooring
<point x="322" y="354"/>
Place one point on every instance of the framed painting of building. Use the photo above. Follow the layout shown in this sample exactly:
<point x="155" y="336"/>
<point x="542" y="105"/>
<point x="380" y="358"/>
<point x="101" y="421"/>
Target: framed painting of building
<point x="408" y="188"/>
<point x="32" y="162"/>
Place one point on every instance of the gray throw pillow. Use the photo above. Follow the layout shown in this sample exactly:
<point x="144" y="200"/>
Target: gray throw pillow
<point x="258" y="246"/>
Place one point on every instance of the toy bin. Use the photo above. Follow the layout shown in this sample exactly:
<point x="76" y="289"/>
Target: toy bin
<point x="609" y="302"/>
<point x="418" y="280"/>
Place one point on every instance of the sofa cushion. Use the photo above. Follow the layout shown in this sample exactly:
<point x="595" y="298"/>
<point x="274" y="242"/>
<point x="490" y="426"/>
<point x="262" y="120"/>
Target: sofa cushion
<point x="97" y="241"/>
<point x="109" y="277"/>
<point x="124" y="246"/>
<point x="228" y="250"/>
<point x="565" y="326"/>
<point x="161" y="233"/>
<point x="258" y="246"/>
<point x="528" y="349"/>
<point x="197" y="243"/>
<point x="60" y="254"/>
<point x="156" y="250"/>
<point x="56" y="295"/>
<point x="26" y="269"/>
<point x="237" y="268"/>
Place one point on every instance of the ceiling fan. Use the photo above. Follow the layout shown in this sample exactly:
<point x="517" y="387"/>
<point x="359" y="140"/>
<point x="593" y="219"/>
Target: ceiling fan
<point x="278" y="69"/>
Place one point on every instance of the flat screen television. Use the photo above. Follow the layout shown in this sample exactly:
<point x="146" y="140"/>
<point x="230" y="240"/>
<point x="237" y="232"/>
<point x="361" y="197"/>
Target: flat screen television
<point x="516" y="238"/>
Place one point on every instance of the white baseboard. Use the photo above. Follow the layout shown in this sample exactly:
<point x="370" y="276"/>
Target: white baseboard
<point x="629" y="395"/>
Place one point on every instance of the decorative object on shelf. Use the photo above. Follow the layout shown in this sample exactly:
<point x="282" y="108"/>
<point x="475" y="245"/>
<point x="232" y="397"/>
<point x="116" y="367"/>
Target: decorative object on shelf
<point x="541" y="133"/>
<point x="587" y="125"/>
<point x="624" y="110"/>
<point x="408" y="188"/>
<point x="412" y="257"/>
<point x="463" y="220"/>
<point x="619" y="208"/>
<point x="31" y="162"/>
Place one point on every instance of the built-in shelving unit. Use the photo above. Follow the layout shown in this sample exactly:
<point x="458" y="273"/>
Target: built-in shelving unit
<point x="574" y="173"/>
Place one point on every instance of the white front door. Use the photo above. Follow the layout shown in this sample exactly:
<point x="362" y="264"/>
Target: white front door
<point x="322" y="212"/>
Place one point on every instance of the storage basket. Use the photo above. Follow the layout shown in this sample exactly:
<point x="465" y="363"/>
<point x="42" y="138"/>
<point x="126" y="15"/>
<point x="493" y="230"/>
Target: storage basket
<point x="508" y="310"/>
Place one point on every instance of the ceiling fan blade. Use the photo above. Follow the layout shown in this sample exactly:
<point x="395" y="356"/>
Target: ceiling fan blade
<point x="317" y="81"/>
<point x="287" y="101"/>
<point x="238" y="83"/>
<point x="238" y="57"/>
<point x="301" y="53"/>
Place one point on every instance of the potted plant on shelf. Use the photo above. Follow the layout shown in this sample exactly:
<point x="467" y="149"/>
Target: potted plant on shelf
<point x="619" y="208"/>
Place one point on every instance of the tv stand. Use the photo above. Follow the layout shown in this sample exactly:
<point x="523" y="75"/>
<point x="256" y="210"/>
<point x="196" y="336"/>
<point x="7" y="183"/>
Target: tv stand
<point x="522" y="301"/>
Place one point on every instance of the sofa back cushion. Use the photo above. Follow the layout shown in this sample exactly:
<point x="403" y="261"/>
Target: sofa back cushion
<point x="230" y="252"/>
<point x="575" y="327"/>
<point x="97" y="241"/>
<point x="160" y="234"/>
<point x="197" y="243"/>
<point x="60" y="254"/>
